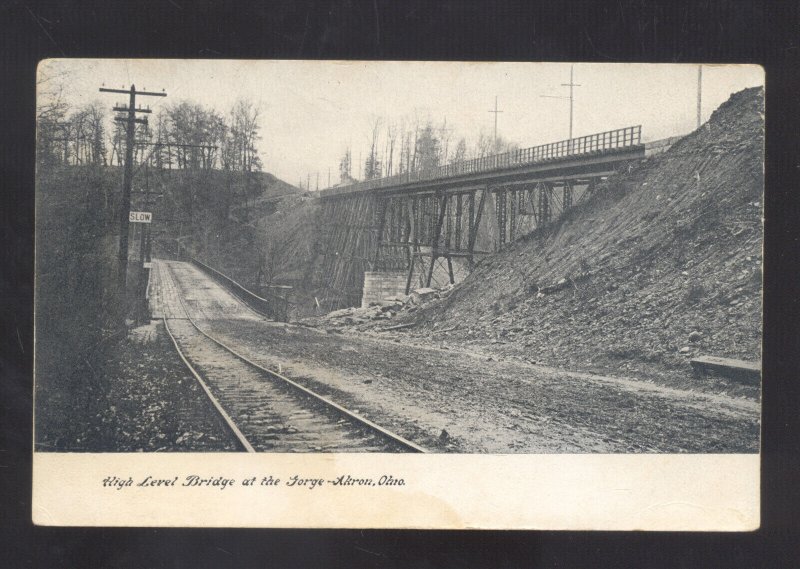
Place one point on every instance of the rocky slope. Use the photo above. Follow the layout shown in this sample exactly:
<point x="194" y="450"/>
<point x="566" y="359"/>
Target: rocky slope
<point x="662" y="263"/>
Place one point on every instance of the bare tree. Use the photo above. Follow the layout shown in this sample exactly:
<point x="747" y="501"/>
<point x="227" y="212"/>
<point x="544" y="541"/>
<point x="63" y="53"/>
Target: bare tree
<point x="52" y="131"/>
<point x="96" y="118"/>
<point x="391" y="138"/>
<point x="460" y="153"/>
<point x="414" y="143"/>
<point x="428" y="148"/>
<point x="244" y="131"/>
<point x="345" y="167"/>
<point x="50" y="104"/>
<point x="444" y="138"/>
<point x="483" y="145"/>
<point x="162" y="157"/>
<point x="404" y="149"/>
<point x="413" y="164"/>
<point x="372" y="165"/>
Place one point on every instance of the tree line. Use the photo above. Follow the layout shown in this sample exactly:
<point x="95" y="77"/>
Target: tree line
<point x="182" y="135"/>
<point x="412" y="144"/>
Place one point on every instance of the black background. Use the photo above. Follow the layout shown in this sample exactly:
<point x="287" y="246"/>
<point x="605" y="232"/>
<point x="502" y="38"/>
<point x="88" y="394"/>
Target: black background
<point x="627" y="30"/>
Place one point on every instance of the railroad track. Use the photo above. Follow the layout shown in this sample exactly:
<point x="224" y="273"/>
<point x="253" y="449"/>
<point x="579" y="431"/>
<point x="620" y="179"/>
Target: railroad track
<point x="264" y="410"/>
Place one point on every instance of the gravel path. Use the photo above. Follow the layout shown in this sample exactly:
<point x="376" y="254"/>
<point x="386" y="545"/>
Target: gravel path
<point x="456" y="401"/>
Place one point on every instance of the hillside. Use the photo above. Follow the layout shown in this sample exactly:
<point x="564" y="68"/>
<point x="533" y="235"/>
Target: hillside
<point x="77" y="236"/>
<point x="216" y="216"/>
<point x="275" y="246"/>
<point x="662" y="263"/>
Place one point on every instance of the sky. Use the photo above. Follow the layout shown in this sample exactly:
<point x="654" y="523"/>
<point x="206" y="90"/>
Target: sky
<point x="311" y="111"/>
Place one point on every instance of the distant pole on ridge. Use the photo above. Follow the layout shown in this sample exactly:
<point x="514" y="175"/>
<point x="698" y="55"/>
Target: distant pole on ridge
<point x="496" y="112"/>
<point x="571" y="98"/>
<point x="571" y="84"/>
<point x="699" y="94"/>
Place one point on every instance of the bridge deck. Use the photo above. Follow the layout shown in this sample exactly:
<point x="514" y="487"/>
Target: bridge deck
<point x="588" y="156"/>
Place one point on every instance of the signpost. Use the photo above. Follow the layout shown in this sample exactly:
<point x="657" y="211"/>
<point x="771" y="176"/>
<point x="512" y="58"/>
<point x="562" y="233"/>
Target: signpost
<point x="140" y="217"/>
<point x="141" y="297"/>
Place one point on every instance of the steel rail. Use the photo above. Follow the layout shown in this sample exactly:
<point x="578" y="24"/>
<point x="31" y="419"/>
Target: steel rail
<point x="240" y="438"/>
<point x="229" y="423"/>
<point x="341" y="410"/>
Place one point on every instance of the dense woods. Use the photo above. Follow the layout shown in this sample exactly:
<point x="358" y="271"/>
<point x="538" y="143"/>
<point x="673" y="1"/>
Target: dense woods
<point x="195" y="168"/>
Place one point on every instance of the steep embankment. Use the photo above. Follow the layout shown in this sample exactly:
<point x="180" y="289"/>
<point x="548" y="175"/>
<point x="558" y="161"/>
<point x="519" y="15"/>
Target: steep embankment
<point x="660" y="264"/>
<point x="77" y="301"/>
<point x="223" y="217"/>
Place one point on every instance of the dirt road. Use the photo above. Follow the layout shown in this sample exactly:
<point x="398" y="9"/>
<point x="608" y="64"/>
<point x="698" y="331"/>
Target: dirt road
<point x="454" y="401"/>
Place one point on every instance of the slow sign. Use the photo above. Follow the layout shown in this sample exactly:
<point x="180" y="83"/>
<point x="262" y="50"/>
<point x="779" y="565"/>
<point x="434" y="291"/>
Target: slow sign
<point x="140" y="217"/>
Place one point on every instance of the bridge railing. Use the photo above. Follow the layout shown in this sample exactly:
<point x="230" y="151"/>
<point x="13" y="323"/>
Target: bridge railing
<point x="273" y="306"/>
<point x="590" y="144"/>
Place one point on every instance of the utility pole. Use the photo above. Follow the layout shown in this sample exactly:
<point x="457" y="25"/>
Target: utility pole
<point x="496" y="112"/>
<point x="329" y="176"/>
<point x="318" y="181"/>
<point x="571" y="85"/>
<point x="130" y="121"/>
<point x="145" y="247"/>
<point x="699" y="93"/>
<point x="571" y="98"/>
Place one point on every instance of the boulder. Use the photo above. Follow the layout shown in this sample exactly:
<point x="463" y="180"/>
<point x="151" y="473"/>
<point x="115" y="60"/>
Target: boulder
<point x="422" y="295"/>
<point x="424" y="292"/>
<point x="340" y="313"/>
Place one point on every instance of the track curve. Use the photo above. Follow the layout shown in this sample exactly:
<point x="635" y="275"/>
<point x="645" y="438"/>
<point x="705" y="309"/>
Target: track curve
<point x="264" y="410"/>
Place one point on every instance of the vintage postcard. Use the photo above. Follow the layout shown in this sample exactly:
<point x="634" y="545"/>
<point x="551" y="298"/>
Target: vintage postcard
<point x="398" y="294"/>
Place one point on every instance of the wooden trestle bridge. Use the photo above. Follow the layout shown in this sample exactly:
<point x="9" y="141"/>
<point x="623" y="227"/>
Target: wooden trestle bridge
<point x="413" y="223"/>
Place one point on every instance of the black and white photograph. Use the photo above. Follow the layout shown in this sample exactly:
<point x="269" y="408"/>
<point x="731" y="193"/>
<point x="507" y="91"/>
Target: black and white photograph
<point x="398" y="257"/>
<point x="398" y="294"/>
